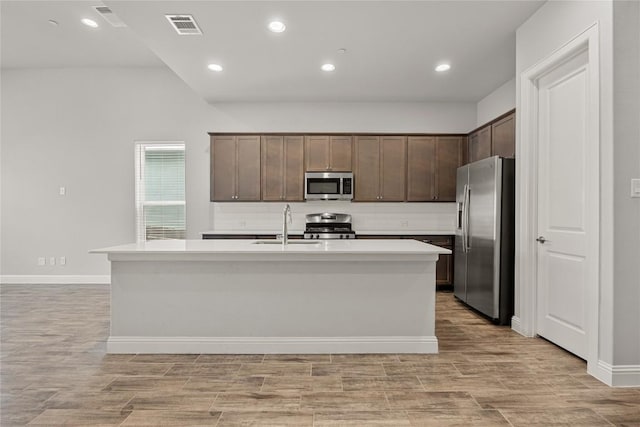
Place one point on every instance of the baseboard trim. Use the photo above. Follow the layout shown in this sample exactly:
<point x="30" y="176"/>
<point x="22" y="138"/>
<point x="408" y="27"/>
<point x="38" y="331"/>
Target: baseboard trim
<point x="271" y="345"/>
<point x="617" y="375"/>
<point x="516" y="325"/>
<point x="55" y="279"/>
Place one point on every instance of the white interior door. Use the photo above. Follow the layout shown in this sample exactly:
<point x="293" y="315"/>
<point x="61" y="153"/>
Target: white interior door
<point x="564" y="204"/>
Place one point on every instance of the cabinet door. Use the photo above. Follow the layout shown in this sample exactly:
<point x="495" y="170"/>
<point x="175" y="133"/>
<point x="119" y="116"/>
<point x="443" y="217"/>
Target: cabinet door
<point x="366" y="172"/>
<point x="223" y="168"/>
<point x="444" y="270"/>
<point x="449" y="153"/>
<point x="248" y="168"/>
<point x="480" y="144"/>
<point x="444" y="266"/>
<point x="273" y="166"/>
<point x="340" y="153"/>
<point x="393" y="168"/>
<point x="317" y="153"/>
<point x="293" y="168"/>
<point x="504" y="136"/>
<point x="421" y="168"/>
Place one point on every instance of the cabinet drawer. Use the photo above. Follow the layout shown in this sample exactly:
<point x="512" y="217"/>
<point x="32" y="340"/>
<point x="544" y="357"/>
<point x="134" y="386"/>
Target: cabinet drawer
<point x="442" y="241"/>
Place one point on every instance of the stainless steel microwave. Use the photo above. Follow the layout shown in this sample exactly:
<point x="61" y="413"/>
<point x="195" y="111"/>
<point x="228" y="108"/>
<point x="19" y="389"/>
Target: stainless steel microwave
<point x="328" y="186"/>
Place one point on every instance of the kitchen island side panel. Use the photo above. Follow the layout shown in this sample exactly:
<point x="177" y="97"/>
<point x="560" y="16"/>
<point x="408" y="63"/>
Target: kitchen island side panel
<point x="285" y="306"/>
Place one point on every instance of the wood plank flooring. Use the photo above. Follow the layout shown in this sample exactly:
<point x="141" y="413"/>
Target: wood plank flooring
<point x="54" y="371"/>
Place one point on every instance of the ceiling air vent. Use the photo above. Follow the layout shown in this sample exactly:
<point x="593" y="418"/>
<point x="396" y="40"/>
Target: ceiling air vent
<point x="109" y="16"/>
<point x="184" y="25"/>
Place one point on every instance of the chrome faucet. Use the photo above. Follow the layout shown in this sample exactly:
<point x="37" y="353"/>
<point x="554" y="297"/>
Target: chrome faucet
<point x="286" y="220"/>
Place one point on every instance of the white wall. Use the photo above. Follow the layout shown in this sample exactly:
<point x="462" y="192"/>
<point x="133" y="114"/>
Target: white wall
<point x="76" y="127"/>
<point x="554" y="24"/>
<point x="498" y="102"/>
<point x="437" y="117"/>
<point x="626" y="114"/>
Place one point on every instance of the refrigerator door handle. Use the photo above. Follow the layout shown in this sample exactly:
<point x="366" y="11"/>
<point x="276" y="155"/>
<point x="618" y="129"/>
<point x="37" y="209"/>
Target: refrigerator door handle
<point x="464" y="218"/>
<point x="461" y="217"/>
<point x="466" y="237"/>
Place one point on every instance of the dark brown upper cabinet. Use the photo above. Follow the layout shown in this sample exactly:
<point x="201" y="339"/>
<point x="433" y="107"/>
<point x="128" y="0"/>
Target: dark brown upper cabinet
<point x="449" y="157"/>
<point x="496" y="138"/>
<point x="282" y="168"/>
<point x="380" y="168"/>
<point x="235" y="168"/>
<point x="421" y="168"/>
<point x="328" y="153"/>
<point x="432" y="163"/>
<point x="480" y="144"/>
<point x="503" y="134"/>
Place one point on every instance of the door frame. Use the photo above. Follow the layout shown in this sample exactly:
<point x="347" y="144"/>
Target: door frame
<point x="527" y="191"/>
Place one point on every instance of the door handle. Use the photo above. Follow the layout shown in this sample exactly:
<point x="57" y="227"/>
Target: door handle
<point x="541" y="239"/>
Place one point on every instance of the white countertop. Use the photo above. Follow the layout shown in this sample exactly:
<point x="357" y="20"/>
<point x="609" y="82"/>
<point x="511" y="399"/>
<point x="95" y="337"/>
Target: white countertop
<point x="251" y="232"/>
<point x="248" y="250"/>
<point x="362" y="232"/>
<point x="250" y="246"/>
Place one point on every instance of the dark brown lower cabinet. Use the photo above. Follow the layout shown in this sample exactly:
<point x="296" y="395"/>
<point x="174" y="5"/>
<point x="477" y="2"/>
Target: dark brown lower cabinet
<point x="444" y="266"/>
<point x="206" y="236"/>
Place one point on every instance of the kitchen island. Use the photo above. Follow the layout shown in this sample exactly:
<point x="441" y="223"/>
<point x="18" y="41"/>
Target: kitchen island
<point x="252" y="296"/>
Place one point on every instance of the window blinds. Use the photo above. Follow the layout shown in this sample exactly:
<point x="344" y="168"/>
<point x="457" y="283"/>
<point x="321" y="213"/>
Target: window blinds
<point x="160" y="191"/>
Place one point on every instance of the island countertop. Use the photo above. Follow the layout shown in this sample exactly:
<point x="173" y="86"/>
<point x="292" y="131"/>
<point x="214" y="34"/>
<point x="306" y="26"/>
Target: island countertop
<point x="257" y="296"/>
<point x="250" y="249"/>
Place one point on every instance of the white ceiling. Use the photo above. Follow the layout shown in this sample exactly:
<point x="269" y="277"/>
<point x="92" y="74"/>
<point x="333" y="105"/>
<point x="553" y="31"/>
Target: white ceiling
<point x="392" y="46"/>
<point x="28" y="40"/>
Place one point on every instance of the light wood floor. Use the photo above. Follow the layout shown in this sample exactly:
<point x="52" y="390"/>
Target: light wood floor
<point x="55" y="372"/>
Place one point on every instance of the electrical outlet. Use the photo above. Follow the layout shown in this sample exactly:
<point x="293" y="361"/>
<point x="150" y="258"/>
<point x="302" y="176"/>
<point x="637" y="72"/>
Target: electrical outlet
<point x="635" y="187"/>
<point x="52" y="260"/>
<point x="404" y="224"/>
<point x="243" y="224"/>
<point x="63" y="260"/>
<point x="42" y="260"/>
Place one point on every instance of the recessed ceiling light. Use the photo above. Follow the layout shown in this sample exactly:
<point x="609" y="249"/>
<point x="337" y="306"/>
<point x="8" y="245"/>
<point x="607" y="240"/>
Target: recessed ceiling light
<point x="342" y="50"/>
<point x="277" y="26"/>
<point x="53" y="22"/>
<point x="89" y="22"/>
<point x="328" y="67"/>
<point x="442" y="67"/>
<point x="214" y="67"/>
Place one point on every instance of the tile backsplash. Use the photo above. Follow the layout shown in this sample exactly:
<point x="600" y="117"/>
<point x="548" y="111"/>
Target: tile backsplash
<point x="367" y="217"/>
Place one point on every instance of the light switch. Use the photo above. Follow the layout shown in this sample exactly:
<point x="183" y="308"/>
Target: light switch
<point x="63" y="191"/>
<point x="635" y="187"/>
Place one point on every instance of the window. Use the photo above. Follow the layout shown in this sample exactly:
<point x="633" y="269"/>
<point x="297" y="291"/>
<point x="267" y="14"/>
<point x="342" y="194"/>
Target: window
<point x="160" y="194"/>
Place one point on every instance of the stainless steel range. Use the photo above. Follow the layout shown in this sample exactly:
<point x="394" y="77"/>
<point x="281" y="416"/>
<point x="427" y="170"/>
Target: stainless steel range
<point x="328" y="226"/>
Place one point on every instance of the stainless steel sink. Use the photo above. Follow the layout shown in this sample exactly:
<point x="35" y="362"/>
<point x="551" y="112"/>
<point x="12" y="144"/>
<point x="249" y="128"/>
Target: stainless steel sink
<point x="290" y="242"/>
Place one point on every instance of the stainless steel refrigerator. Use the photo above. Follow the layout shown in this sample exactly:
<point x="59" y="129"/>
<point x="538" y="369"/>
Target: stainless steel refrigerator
<point x="484" y="242"/>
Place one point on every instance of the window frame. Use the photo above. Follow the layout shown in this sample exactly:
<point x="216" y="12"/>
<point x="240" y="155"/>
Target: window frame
<point x="139" y="190"/>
